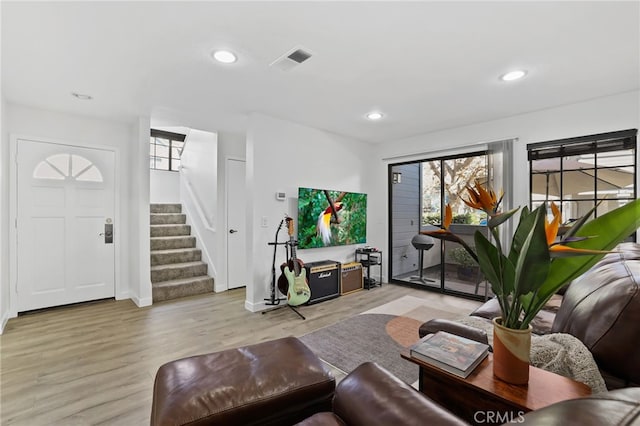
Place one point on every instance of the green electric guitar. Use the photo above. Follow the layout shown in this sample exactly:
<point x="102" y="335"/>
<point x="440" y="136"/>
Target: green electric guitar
<point x="298" y="291"/>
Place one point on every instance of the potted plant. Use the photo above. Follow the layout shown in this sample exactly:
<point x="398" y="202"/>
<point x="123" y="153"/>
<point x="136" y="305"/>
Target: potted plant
<point x="467" y="267"/>
<point x="537" y="264"/>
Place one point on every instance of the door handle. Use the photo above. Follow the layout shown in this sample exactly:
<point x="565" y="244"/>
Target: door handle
<point x="108" y="233"/>
<point x="233" y="231"/>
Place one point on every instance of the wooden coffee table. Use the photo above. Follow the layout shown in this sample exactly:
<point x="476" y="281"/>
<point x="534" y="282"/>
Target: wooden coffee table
<point x="481" y="398"/>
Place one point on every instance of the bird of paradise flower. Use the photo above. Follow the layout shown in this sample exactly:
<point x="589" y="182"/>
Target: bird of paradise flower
<point x="539" y="261"/>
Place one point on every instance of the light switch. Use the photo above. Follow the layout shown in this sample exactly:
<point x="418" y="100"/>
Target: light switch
<point x="264" y="221"/>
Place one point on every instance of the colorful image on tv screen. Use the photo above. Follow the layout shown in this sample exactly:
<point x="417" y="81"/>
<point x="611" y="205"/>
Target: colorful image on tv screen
<point x="331" y="218"/>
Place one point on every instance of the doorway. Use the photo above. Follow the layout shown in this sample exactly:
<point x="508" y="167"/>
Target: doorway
<point x="419" y="190"/>
<point x="236" y="223"/>
<point x="65" y="224"/>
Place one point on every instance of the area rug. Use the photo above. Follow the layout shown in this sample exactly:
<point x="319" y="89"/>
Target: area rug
<point x="379" y="335"/>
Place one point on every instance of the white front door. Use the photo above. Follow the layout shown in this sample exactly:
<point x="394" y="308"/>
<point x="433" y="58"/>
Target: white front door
<point x="65" y="197"/>
<point x="236" y="226"/>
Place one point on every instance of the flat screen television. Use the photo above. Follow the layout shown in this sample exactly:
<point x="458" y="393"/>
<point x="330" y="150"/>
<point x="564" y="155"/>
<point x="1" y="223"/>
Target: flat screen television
<point x="331" y="218"/>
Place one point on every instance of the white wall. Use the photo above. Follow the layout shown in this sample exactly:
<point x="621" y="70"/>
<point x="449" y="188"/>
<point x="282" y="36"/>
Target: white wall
<point x="600" y="115"/>
<point x="4" y="209"/>
<point x="199" y="191"/>
<point x="164" y="186"/>
<point x="282" y="156"/>
<point x="4" y="215"/>
<point x="140" y="255"/>
<point x="230" y="145"/>
<point x="32" y="122"/>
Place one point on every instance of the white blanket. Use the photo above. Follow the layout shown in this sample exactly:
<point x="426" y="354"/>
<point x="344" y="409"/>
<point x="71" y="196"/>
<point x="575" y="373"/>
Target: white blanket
<point x="559" y="353"/>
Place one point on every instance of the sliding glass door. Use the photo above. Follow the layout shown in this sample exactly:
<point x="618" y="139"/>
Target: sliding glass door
<point x="418" y="193"/>
<point x="415" y="200"/>
<point x="461" y="272"/>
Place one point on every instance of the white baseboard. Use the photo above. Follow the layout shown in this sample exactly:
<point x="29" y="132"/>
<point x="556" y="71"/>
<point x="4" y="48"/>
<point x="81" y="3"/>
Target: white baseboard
<point x="3" y="322"/>
<point x="122" y="295"/>
<point x="255" y="307"/>
<point x="219" y="288"/>
<point x="142" y="302"/>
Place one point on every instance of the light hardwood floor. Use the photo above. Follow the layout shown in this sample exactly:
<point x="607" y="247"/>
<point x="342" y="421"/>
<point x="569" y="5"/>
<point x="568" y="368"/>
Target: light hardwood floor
<point x="94" y="364"/>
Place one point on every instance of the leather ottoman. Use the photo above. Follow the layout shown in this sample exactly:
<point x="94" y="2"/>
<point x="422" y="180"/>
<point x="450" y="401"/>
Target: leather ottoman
<point x="276" y="382"/>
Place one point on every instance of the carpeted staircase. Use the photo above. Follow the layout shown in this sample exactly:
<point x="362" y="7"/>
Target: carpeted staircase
<point x="176" y="266"/>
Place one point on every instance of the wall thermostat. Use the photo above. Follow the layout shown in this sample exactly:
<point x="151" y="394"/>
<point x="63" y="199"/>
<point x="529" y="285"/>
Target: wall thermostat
<point x="280" y="196"/>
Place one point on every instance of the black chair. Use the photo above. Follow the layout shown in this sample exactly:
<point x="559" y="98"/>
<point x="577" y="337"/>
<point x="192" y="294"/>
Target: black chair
<point x="421" y="243"/>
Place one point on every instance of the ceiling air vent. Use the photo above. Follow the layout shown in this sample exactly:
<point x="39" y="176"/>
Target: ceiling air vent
<point x="299" y="56"/>
<point x="291" y="59"/>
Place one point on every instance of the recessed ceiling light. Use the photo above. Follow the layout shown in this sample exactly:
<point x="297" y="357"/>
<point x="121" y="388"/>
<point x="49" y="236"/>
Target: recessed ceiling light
<point x="81" y="96"/>
<point x="513" y="75"/>
<point x="224" y="56"/>
<point x="375" y="115"/>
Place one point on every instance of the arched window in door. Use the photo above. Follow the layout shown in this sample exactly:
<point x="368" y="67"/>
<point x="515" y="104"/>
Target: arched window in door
<point x="67" y="166"/>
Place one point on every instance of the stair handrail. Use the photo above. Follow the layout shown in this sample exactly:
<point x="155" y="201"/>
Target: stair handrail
<point x="196" y="201"/>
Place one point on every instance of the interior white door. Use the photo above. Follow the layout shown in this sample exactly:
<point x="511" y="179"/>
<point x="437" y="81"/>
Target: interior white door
<point x="65" y="197"/>
<point x="236" y="218"/>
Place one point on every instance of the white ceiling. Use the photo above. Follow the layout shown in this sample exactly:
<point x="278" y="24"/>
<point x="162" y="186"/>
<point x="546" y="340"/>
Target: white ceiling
<point x="426" y="65"/>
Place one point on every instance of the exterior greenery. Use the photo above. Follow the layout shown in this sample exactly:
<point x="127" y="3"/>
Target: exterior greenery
<point x="462" y="257"/>
<point x="470" y="218"/>
<point x="454" y="174"/>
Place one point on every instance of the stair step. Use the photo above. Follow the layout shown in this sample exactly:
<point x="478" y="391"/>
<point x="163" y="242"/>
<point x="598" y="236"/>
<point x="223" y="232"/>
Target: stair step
<point x="176" y="266"/>
<point x="182" y="287"/>
<point x="168" y="243"/>
<point x="182" y="255"/>
<point x="165" y="208"/>
<point x="177" y="270"/>
<point x="170" y="230"/>
<point x="168" y="218"/>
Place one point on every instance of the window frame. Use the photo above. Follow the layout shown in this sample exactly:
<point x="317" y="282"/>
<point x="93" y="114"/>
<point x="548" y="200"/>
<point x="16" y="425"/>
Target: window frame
<point x="596" y="144"/>
<point x="462" y="229"/>
<point x="171" y="137"/>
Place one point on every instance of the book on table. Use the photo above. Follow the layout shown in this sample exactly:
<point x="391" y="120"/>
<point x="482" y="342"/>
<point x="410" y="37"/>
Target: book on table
<point x="454" y="354"/>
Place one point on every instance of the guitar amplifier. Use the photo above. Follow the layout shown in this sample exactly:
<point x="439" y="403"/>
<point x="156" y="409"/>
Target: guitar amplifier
<point x="351" y="278"/>
<point x="323" y="280"/>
